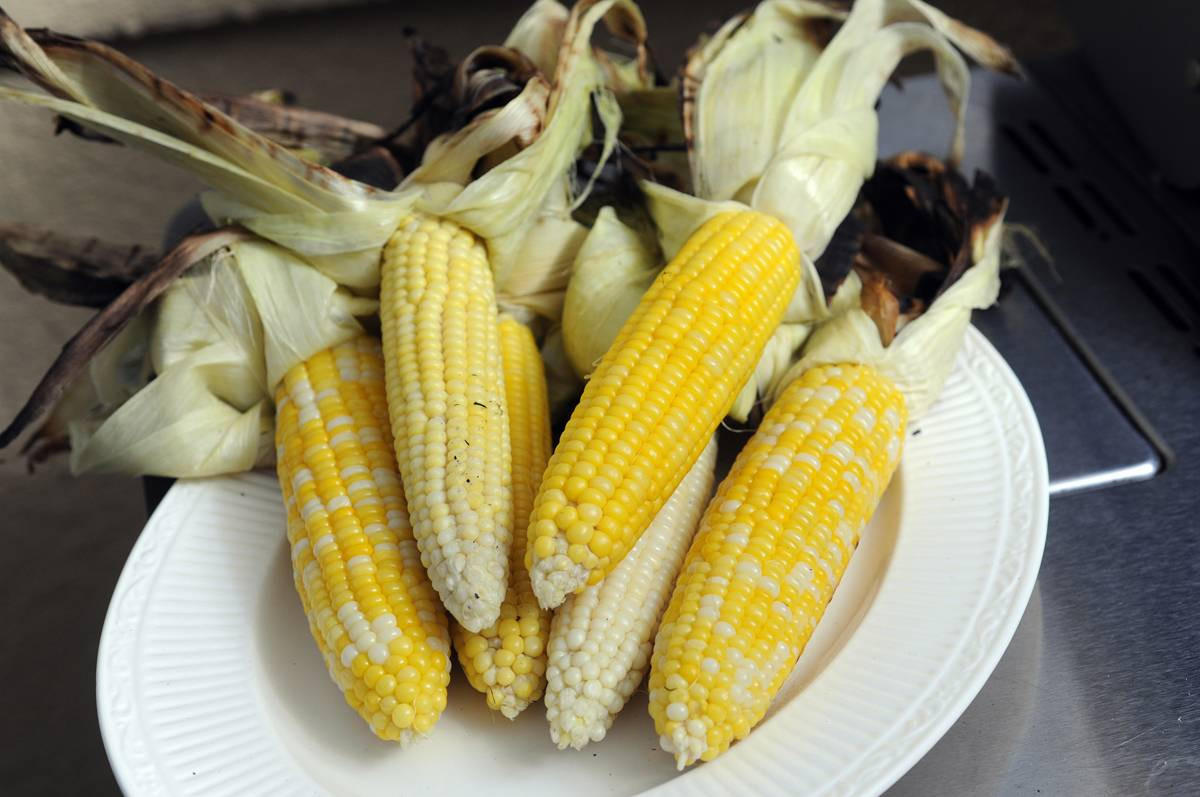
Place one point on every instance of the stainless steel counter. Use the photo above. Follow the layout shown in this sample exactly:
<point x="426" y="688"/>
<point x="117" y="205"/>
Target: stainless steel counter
<point x="1099" y="692"/>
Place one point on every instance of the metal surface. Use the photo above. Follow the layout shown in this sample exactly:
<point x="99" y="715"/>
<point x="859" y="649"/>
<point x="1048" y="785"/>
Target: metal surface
<point x="1099" y="692"/>
<point x="1079" y="459"/>
<point x="1166" y="82"/>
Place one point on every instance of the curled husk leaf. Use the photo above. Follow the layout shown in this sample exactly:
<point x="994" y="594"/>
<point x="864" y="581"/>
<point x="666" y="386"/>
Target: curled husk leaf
<point x="539" y="33"/>
<point x="218" y="339"/>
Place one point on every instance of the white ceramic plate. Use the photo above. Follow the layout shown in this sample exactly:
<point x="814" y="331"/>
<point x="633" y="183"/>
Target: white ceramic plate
<point x="209" y="684"/>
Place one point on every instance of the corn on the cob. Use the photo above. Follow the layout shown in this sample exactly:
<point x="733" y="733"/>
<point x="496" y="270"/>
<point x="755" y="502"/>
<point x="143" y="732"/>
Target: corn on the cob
<point x="771" y="548"/>
<point x="657" y="396"/>
<point x="600" y="639"/>
<point x="445" y="392"/>
<point x="507" y="661"/>
<point x="370" y="606"/>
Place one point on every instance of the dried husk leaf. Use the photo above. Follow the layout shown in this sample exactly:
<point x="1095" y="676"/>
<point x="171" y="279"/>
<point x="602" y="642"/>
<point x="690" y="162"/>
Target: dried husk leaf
<point x="498" y="206"/>
<point x="71" y="269"/>
<point x="87" y="75"/>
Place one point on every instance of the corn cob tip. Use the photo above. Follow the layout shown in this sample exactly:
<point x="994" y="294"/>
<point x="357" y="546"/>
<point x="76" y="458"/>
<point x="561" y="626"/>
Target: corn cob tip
<point x="686" y="748"/>
<point x="506" y="703"/>
<point x="555" y="577"/>
<point x="472" y="595"/>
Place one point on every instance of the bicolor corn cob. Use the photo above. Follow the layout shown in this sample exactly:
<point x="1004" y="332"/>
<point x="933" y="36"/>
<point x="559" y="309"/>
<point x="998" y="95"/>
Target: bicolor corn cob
<point x="445" y="391"/>
<point x="657" y="396"/>
<point x="370" y="606"/>
<point x="601" y="638"/>
<point x="771" y="548"/>
<point x="507" y="661"/>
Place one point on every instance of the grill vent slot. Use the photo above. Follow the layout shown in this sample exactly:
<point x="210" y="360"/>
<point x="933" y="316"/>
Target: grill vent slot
<point x="1110" y="210"/>
<point x="1023" y="147"/>
<point x="1072" y="203"/>
<point x="1047" y="141"/>
<point x="1180" y="288"/>
<point x="1165" y="307"/>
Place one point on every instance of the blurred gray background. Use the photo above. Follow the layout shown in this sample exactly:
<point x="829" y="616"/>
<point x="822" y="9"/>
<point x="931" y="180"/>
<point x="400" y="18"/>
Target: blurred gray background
<point x="65" y="538"/>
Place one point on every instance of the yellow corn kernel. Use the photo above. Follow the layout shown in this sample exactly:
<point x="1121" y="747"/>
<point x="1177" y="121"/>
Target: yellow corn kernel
<point x="449" y="415"/>
<point x="507" y="661"/>
<point x="370" y="606"/>
<point x="772" y="547"/>
<point x="657" y="396"/>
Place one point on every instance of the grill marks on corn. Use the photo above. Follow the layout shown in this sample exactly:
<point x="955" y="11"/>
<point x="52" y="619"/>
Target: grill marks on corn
<point x="507" y="661"/>
<point x="370" y="607"/>
<point x="771" y="548"/>
<point x="657" y="395"/>
<point x="445" y="390"/>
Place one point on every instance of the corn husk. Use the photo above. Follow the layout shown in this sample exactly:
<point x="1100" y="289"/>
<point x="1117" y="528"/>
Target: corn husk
<point x="613" y="269"/>
<point x="221" y="336"/>
<point x="813" y="140"/>
<point x="336" y="223"/>
<point x="222" y="342"/>
<point x="539" y="32"/>
<point x="922" y="353"/>
<point x="763" y="58"/>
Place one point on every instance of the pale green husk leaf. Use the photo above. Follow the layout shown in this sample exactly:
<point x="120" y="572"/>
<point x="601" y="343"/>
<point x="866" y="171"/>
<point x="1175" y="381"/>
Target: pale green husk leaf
<point x="221" y="336"/>
<point x="613" y="269"/>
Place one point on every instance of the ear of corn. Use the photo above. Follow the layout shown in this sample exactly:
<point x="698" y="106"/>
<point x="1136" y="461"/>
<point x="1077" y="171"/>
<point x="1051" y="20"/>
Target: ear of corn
<point x="445" y="395"/>
<point x="507" y="661"/>
<point x="771" y="548"/>
<point x="370" y="606"/>
<point x="657" y="396"/>
<point x="601" y="638"/>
